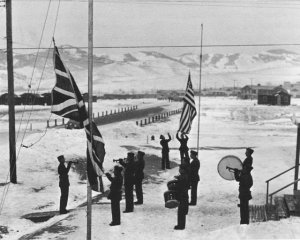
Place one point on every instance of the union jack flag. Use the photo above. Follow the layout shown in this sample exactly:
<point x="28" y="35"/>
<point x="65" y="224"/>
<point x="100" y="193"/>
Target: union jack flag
<point x="68" y="102"/>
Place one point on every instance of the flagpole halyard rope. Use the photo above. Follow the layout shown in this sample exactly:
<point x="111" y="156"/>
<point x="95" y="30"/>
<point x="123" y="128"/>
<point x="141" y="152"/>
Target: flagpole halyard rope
<point x="6" y="188"/>
<point x="198" y="135"/>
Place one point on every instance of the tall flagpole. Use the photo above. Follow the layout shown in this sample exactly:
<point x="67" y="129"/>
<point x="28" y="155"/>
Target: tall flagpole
<point x="11" y="97"/>
<point x="90" y="111"/>
<point x="198" y="135"/>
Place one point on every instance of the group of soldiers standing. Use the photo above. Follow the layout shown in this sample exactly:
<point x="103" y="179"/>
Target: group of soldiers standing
<point x="133" y="176"/>
<point x="188" y="177"/>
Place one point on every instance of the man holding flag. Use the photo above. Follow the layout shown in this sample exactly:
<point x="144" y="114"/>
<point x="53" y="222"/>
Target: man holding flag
<point x="187" y="116"/>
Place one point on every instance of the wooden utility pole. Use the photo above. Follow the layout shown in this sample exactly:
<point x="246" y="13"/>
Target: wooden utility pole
<point x="297" y="158"/>
<point x="297" y="123"/>
<point x="90" y="111"/>
<point x="11" y="95"/>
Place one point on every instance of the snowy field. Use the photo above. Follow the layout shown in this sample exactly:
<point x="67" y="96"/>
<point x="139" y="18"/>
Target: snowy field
<point x="227" y="127"/>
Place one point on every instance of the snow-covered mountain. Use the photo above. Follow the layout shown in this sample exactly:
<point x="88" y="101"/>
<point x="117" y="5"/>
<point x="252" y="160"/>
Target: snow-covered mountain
<point x="151" y="70"/>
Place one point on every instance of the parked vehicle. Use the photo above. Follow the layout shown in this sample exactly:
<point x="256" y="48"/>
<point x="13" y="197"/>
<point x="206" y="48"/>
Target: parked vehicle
<point x="71" y="124"/>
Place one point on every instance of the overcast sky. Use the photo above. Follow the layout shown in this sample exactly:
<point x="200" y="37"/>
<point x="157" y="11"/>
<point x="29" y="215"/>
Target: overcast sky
<point x="129" y="23"/>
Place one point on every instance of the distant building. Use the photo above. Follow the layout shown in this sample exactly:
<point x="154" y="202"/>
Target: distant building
<point x="251" y="91"/>
<point x="4" y="99"/>
<point x="220" y="92"/>
<point x="85" y="97"/>
<point x="173" y="95"/>
<point x="47" y="98"/>
<point x="276" y="96"/>
<point x="32" y="99"/>
<point x="127" y="96"/>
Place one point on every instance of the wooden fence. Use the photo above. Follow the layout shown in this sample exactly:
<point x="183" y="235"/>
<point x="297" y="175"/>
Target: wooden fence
<point x="62" y="121"/>
<point x="157" y="118"/>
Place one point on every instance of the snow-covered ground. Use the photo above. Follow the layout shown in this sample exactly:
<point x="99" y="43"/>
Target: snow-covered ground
<point x="227" y="127"/>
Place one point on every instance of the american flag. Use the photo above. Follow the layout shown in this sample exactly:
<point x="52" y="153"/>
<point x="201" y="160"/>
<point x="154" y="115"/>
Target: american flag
<point x="67" y="102"/>
<point x="189" y="109"/>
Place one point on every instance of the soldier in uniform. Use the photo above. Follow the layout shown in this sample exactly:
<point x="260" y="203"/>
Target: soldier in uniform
<point x="63" y="183"/>
<point x="182" y="196"/>
<point x="248" y="160"/>
<point x="245" y="183"/>
<point x="115" y="194"/>
<point x="194" y="177"/>
<point x="128" y="181"/>
<point x="165" y="162"/>
<point x="184" y="150"/>
<point x="139" y="176"/>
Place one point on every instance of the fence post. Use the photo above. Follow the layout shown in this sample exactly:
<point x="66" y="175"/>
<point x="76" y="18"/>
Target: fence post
<point x="267" y="195"/>
<point x="137" y="123"/>
<point x="63" y="121"/>
<point x="47" y="123"/>
<point x="146" y="121"/>
<point x="141" y="123"/>
<point x="55" y="122"/>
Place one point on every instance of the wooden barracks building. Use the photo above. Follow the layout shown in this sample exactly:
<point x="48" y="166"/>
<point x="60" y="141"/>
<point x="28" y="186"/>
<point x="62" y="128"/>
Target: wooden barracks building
<point x="268" y="95"/>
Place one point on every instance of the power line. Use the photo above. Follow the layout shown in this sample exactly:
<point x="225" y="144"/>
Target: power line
<point x="229" y="4"/>
<point x="166" y="46"/>
<point x="209" y="3"/>
<point x="5" y="192"/>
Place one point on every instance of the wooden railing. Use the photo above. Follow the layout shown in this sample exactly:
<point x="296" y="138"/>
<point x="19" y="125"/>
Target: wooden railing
<point x="271" y="194"/>
<point x="268" y="182"/>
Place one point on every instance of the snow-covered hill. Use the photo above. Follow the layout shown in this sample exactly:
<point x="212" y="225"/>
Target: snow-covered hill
<point x="151" y="70"/>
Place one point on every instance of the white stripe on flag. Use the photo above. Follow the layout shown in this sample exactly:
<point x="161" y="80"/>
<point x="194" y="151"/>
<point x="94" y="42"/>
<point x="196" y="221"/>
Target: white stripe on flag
<point x="74" y="110"/>
<point x="95" y="137"/>
<point x="98" y="139"/>
<point x="85" y="123"/>
<point x="62" y="91"/>
<point x="63" y="105"/>
<point x="61" y="73"/>
<point x="81" y="104"/>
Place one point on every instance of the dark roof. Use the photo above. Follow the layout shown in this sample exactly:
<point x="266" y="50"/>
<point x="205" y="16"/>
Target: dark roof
<point x="257" y="87"/>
